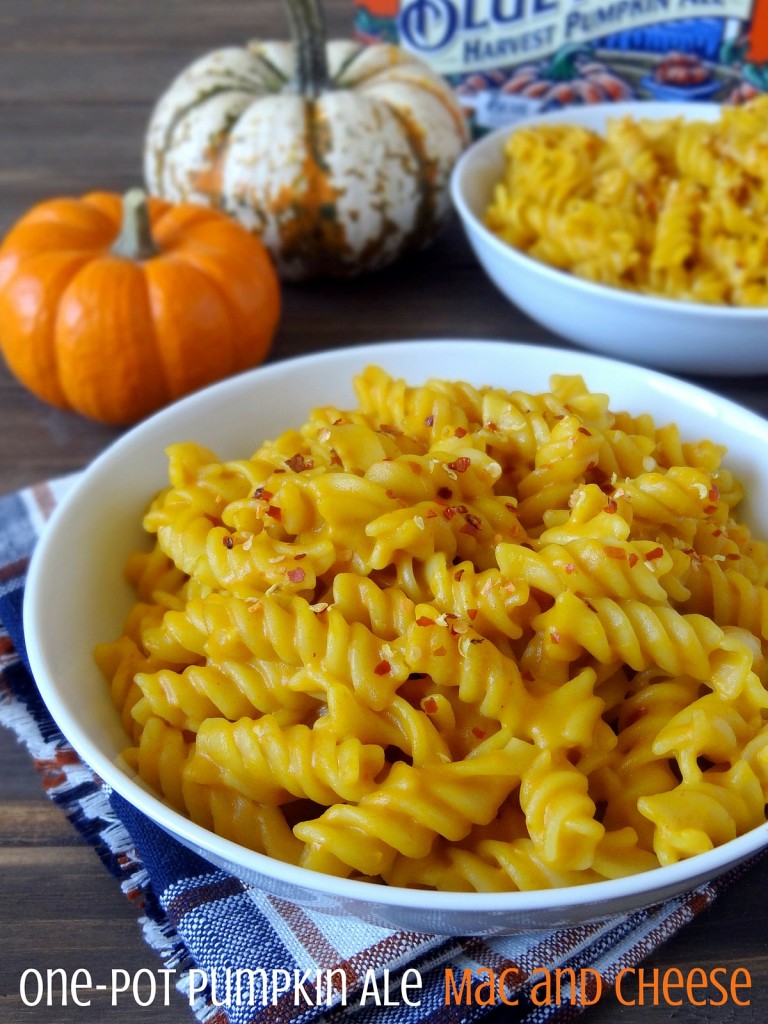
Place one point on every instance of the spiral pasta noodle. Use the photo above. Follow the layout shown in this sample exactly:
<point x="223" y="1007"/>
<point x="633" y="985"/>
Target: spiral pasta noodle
<point x="669" y="207"/>
<point x="456" y="638"/>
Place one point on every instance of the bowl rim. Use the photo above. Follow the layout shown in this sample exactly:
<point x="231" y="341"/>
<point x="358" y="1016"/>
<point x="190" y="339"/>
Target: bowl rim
<point x="643" y="886"/>
<point x="493" y="141"/>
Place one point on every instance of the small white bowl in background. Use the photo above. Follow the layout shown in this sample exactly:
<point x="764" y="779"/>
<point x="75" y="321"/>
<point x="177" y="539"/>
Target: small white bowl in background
<point x="76" y="596"/>
<point x="673" y="335"/>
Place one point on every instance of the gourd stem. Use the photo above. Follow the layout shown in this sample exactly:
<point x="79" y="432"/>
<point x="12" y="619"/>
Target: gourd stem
<point x="135" y="240"/>
<point x="307" y="25"/>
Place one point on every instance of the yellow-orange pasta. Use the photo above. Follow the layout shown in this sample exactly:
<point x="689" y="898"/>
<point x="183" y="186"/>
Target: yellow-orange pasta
<point x="670" y="207"/>
<point x="455" y="638"/>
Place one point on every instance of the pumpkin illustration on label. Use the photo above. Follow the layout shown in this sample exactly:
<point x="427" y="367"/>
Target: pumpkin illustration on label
<point x="337" y="155"/>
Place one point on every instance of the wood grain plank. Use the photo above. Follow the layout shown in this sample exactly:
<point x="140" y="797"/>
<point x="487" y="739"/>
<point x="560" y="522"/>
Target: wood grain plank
<point x="135" y="24"/>
<point x="33" y="822"/>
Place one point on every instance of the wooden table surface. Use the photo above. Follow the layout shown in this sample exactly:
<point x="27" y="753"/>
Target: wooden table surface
<point x="77" y="82"/>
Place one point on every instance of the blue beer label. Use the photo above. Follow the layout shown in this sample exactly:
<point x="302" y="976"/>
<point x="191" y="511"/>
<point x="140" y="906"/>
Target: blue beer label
<point x="510" y="58"/>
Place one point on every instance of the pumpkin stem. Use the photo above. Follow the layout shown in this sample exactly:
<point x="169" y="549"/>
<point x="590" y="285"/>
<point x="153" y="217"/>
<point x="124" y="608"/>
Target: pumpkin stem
<point x="563" y="66"/>
<point x="308" y="33"/>
<point x="135" y="240"/>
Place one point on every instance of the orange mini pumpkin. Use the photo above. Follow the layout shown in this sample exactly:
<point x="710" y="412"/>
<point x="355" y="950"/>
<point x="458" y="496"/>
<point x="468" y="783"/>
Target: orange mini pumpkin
<point x="114" y="308"/>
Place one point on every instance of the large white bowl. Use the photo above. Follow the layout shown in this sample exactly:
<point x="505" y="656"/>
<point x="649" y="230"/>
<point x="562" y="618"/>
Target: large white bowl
<point x="671" y="335"/>
<point x="76" y="597"/>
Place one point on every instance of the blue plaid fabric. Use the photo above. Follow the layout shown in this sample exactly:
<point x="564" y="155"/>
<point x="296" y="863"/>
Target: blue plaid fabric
<point x="240" y="956"/>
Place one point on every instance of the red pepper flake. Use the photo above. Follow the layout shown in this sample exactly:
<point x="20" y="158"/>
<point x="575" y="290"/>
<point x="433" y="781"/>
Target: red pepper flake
<point x="569" y="567"/>
<point x="298" y="463"/>
<point x="296" y="575"/>
<point x="615" y="552"/>
<point x="275" y="512"/>
<point x="714" y="493"/>
<point x="733" y="556"/>
<point x="709" y="509"/>
<point x="473" y="521"/>
<point x="429" y="421"/>
<point x="492" y="427"/>
<point x="424" y="620"/>
<point x="449" y="512"/>
<point x="228" y="543"/>
<point x="335" y="458"/>
<point x="263" y="494"/>
<point x="654" y="553"/>
<point x="390" y="493"/>
<point x="510" y="507"/>
<point x="458" y="574"/>
<point x="430" y="705"/>
<point x="301" y="554"/>
<point x="585" y="432"/>
<point x="717" y="533"/>
<point x="612" y="506"/>
<point x="444" y="492"/>
<point x="431" y="514"/>
<point x="480" y="733"/>
<point x="439" y="652"/>
<point x="554" y="636"/>
<point x="383" y="668"/>
<point x="633" y="560"/>
<point x="414" y="467"/>
<point x="460" y="465"/>
<point x="472" y="614"/>
<point x="460" y="432"/>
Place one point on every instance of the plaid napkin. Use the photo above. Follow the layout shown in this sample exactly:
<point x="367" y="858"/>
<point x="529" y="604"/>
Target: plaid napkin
<point x="205" y="924"/>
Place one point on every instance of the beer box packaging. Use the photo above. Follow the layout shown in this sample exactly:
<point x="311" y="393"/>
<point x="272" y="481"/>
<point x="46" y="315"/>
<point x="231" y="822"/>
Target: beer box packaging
<point x="508" y="59"/>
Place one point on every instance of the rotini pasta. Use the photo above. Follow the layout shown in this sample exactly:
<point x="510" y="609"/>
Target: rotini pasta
<point x="669" y="207"/>
<point x="456" y="638"/>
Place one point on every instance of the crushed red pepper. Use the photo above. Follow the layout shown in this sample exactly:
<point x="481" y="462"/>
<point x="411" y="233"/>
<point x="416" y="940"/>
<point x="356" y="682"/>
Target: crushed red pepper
<point x="298" y="463"/>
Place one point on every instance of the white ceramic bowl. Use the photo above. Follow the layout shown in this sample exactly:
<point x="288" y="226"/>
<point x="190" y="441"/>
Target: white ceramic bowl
<point x="76" y="597"/>
<point x="668" y="334"/>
